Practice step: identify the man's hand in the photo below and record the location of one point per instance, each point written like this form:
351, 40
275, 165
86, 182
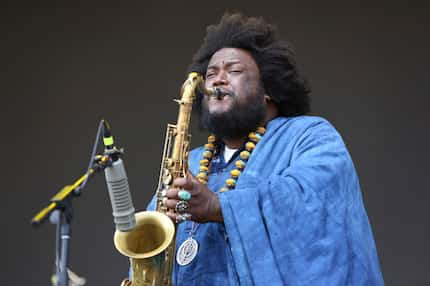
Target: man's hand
204, 204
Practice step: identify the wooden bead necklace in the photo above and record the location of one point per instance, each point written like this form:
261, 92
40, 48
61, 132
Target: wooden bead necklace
209, 151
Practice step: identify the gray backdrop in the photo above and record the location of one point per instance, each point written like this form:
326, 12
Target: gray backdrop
64, 68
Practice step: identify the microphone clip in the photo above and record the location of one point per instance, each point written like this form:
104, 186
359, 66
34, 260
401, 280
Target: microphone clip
114, 153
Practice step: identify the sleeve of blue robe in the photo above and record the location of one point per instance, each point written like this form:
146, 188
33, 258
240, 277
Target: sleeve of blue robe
296, 216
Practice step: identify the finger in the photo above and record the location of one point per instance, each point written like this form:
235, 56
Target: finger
178, 218
182, 217
171, 215
193, 180
172, 193
171, 204
184, 182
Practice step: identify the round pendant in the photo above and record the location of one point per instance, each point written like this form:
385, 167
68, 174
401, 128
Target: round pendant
187, 251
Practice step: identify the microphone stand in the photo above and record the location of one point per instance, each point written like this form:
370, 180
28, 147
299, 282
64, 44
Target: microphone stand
59, 212
62, 220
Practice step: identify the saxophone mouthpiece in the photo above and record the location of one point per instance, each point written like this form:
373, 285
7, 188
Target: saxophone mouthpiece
216, 93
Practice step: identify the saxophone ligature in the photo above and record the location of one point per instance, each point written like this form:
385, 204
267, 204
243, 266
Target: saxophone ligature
151, 244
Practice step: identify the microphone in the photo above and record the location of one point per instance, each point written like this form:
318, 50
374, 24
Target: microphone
117, 183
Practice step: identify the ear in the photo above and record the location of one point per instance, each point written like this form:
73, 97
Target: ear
267, 99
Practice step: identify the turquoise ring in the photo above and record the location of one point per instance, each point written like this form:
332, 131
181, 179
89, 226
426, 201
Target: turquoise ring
184, 195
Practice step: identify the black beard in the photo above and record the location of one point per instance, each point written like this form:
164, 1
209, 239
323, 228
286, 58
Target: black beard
237, 123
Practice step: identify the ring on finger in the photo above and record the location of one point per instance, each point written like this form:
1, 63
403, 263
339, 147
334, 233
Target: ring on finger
182, 217
184, 195
182, 207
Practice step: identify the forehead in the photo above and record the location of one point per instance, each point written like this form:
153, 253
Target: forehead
227, 56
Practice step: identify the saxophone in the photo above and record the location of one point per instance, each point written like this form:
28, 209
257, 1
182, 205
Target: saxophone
151, 244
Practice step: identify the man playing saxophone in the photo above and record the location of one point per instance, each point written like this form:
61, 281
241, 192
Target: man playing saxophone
273, 197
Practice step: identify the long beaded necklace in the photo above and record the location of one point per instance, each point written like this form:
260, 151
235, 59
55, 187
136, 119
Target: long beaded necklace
187, 251
208, 153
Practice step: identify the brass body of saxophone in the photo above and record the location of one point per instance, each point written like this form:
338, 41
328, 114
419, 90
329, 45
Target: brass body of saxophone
151, 244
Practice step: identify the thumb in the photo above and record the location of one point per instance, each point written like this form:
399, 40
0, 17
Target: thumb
190, 178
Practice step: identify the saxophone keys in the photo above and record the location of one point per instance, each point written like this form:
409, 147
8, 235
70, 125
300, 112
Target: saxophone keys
163, 193
168, 163
166, 177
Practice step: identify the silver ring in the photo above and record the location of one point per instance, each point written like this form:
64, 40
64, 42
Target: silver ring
182, 207
182, 217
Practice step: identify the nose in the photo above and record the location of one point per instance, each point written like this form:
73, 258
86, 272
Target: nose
220, 79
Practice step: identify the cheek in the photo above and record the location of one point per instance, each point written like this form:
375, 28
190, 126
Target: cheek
246, 82
251, 89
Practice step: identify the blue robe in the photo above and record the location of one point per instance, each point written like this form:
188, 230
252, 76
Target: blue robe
296, 216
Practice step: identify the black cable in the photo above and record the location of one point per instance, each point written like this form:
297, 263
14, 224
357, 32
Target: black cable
93, 154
